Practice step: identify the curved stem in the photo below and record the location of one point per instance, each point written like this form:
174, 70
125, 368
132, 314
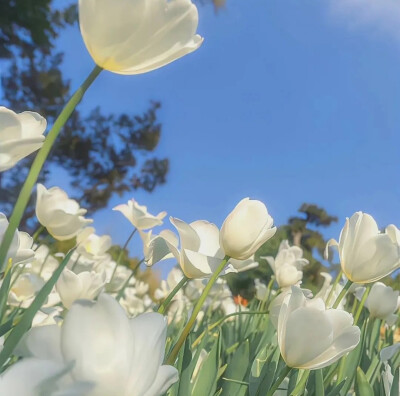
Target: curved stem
122, 252
342, 294
282, 375
121, 292
335, 283
362, 302
174, 353
219, 322
38, 163
171, 295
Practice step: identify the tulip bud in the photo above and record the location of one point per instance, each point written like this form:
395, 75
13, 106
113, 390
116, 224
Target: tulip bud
137, 36
311, 337
366, 254
245, 229
62, 216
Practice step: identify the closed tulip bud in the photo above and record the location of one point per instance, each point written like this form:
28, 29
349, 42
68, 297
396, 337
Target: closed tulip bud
139, 216
137, 36
62, 216
382, 301
20, 135
245, 229
311, 337
366, 254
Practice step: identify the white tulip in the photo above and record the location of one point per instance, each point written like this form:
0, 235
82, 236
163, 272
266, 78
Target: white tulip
62, 216
311, 337
244, 265
120, 356
137, 36
92, 246
20, 251
200, 253
388, 352
33, 377
287, 265
245, 229
261, 290
139, 216
85, 285
20, 135
366, 254
44, 264
155, 248
24, 290
382, 301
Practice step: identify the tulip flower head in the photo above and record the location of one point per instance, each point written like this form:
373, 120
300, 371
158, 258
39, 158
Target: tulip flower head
20, 135
382, 302
116, 355
287, 265
20, 251
139, 216
311, 337
137, 36
366, 254
62, 216
245, 229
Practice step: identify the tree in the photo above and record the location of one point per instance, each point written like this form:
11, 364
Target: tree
98, 166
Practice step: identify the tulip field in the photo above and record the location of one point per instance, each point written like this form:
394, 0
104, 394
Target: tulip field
82, 322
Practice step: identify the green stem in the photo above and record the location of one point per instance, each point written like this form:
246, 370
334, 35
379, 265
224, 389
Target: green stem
335, 283
35, 236
122, 252
282, 375
342, 294
38, 163
301, 385
171, 295
175, 350
121, 292
362, 302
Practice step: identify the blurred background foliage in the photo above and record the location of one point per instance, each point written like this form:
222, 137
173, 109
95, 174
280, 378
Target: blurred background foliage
98, 166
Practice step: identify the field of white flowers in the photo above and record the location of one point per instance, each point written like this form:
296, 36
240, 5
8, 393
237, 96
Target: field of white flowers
83, 323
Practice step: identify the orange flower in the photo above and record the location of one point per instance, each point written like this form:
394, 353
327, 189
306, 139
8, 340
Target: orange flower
239, 300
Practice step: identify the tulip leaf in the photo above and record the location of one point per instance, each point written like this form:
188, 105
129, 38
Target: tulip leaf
236, 372
5, 286
26, 320
395, 391
363, 388
206, 381
319, 383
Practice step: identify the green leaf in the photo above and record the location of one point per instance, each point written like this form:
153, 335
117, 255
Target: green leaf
395, 391
4, 289
206, 381
319, 383
237, 370
363, 388
26, 320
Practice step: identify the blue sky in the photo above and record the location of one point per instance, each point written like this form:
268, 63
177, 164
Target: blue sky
286, 101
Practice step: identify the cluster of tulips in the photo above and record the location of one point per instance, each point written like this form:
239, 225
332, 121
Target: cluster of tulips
83, 324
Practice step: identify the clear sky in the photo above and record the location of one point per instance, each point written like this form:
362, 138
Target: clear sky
287, 101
